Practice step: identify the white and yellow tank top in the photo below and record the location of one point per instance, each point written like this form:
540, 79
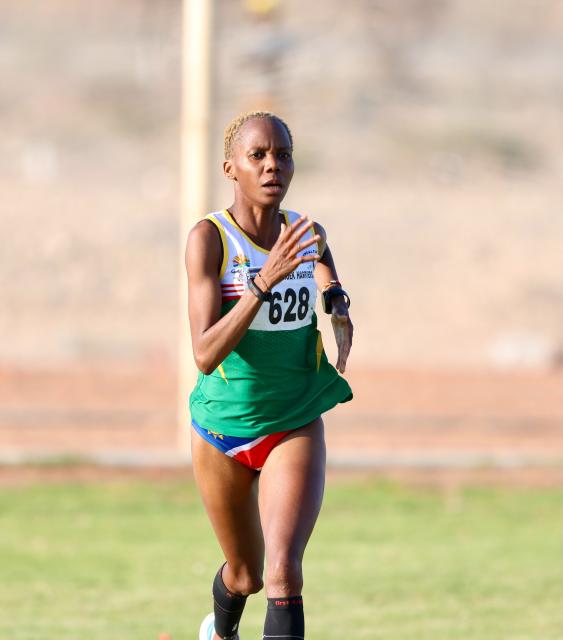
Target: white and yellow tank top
294, 298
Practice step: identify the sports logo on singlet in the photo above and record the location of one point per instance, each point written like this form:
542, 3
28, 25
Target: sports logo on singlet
240, 261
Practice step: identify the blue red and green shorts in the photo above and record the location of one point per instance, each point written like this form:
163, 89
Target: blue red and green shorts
252, 452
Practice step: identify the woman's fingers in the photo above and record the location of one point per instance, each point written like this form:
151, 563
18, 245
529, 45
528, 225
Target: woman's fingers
291, 234
284, 256
297, 230
309, 242
298, 222
312, 257
304, 258
299, 246
301, 231
343, 352
339, 333
343, 330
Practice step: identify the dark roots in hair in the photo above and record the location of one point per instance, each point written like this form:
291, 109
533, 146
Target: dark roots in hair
232, 131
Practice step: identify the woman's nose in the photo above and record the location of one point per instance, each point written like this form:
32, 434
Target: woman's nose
271, 162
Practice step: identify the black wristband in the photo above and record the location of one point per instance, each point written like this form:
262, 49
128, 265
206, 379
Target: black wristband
264, 296
330, 293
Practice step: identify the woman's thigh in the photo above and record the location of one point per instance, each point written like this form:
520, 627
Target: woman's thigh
291, 493
229, 493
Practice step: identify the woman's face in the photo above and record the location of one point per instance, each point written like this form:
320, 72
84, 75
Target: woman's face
262, 162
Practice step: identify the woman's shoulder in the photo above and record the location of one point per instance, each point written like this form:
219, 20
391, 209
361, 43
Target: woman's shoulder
204, 229
204, 239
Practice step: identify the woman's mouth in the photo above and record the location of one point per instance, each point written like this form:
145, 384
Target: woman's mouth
273, 186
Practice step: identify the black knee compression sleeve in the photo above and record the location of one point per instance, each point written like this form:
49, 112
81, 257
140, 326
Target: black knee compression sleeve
228, 608
284, 620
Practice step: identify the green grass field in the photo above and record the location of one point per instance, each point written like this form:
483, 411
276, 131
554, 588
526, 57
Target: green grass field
131, 560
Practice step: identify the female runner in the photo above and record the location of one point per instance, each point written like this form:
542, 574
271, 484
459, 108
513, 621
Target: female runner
257, 439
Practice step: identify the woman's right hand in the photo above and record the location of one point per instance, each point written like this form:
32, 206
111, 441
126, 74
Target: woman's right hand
283, 258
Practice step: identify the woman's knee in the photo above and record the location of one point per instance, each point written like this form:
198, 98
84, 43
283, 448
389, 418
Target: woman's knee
242, 579
284, 576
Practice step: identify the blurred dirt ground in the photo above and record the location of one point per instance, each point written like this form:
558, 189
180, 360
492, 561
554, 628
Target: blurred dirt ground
421, 426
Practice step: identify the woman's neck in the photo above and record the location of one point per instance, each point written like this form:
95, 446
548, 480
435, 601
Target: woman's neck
261, 224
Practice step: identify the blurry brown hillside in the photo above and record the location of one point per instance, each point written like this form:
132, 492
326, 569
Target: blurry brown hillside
428, 142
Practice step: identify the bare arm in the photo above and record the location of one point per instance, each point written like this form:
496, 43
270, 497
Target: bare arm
213, 337
325, 271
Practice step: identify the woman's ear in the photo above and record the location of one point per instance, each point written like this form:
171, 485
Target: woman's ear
228, 170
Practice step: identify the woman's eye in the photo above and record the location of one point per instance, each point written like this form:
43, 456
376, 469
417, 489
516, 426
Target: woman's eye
258, 155
284, 155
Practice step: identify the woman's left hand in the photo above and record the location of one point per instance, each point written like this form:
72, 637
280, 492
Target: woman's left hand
343, 331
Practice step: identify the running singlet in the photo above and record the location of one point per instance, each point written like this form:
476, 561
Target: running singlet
278, 377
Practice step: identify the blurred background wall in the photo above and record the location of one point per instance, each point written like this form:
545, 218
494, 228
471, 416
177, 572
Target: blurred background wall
428, 143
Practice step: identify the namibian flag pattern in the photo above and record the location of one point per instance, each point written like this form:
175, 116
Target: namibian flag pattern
252, 452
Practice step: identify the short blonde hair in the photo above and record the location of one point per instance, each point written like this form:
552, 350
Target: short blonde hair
232, 131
